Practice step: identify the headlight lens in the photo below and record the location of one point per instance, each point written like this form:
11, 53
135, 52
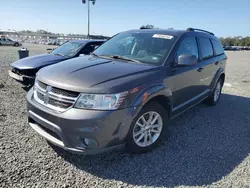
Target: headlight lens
100, 102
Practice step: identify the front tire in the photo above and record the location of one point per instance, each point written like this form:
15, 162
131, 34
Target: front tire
215, 96
147, 128
16, 44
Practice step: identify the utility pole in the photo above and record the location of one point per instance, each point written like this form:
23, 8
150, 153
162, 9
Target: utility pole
88, 16
93, 2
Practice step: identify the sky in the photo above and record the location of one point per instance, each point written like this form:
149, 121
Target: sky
108, 17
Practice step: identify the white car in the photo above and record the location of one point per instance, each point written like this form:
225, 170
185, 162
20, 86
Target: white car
9, 42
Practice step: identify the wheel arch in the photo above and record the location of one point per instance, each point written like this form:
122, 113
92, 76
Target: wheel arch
163, 100
222, 76
157, 93
219, 74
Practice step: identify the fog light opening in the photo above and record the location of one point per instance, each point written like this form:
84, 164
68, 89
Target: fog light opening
88, 143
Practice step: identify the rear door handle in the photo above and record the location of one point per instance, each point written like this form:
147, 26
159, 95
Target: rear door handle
200, 69
216, 63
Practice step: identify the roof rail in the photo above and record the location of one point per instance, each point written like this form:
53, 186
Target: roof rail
195, 29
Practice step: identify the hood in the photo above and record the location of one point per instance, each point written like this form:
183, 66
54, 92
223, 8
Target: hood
37, 61
88, 74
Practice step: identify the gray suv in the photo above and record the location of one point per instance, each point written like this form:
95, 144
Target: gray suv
125, 93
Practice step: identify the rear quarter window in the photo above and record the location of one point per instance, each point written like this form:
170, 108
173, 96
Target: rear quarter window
206, 48
218, 50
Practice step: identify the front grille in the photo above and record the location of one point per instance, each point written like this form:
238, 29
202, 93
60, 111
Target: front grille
54, 98
42, 85
26, 72
40, 96
64, 92
16, 71
59, 104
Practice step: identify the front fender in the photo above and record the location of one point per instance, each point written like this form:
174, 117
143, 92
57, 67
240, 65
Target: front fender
149, 93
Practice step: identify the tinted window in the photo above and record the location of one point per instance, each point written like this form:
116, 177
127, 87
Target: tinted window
68, 49
206, 48
187, 47
149, 48
88, 48
217, 47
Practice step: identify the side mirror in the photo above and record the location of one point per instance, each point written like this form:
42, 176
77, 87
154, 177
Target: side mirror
187, 60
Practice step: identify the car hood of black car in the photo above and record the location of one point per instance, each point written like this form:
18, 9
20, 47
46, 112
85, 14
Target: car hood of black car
85, 74
37, 61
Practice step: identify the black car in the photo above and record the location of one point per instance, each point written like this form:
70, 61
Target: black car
125, 93
24, 70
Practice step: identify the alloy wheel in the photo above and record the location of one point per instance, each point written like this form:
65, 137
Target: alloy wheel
217, 91
147, 129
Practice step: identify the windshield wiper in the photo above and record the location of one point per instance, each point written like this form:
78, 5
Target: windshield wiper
124, 58
94, 54
60, 54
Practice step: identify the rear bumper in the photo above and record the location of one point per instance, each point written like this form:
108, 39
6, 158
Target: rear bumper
104, 130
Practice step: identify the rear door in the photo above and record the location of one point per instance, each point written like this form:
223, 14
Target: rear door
185, 81
207, 61
219, 55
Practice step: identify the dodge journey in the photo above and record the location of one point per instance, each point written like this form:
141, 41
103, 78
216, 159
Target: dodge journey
127, 90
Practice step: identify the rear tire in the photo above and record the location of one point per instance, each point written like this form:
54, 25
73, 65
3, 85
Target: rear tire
213, 99
147, 128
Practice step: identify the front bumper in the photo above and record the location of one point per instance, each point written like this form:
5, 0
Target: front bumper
23, 79
105, 130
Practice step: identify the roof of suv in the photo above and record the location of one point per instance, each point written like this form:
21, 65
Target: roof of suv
87, 41
162, 31
174, 32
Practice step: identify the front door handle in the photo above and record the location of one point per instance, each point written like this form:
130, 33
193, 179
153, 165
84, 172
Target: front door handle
200, 69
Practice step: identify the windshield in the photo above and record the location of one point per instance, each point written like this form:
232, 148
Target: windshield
69, 49
147, 48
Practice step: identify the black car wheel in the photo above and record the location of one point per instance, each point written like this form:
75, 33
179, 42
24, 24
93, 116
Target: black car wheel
147, 128
16, 44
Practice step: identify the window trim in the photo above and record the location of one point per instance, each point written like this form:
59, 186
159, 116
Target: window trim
199, 51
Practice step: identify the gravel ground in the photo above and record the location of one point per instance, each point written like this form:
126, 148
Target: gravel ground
205, 147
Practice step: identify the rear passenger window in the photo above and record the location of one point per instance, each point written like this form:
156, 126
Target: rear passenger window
187, 47
217, 47
205, 48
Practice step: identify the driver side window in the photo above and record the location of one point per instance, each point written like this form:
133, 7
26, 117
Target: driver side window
88, 48
188, 46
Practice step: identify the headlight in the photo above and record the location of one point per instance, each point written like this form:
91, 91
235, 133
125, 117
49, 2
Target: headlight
100, 102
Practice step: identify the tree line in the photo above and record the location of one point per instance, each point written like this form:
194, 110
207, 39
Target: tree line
235, 41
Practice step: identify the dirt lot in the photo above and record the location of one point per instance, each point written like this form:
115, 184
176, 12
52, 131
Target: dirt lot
206, 146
